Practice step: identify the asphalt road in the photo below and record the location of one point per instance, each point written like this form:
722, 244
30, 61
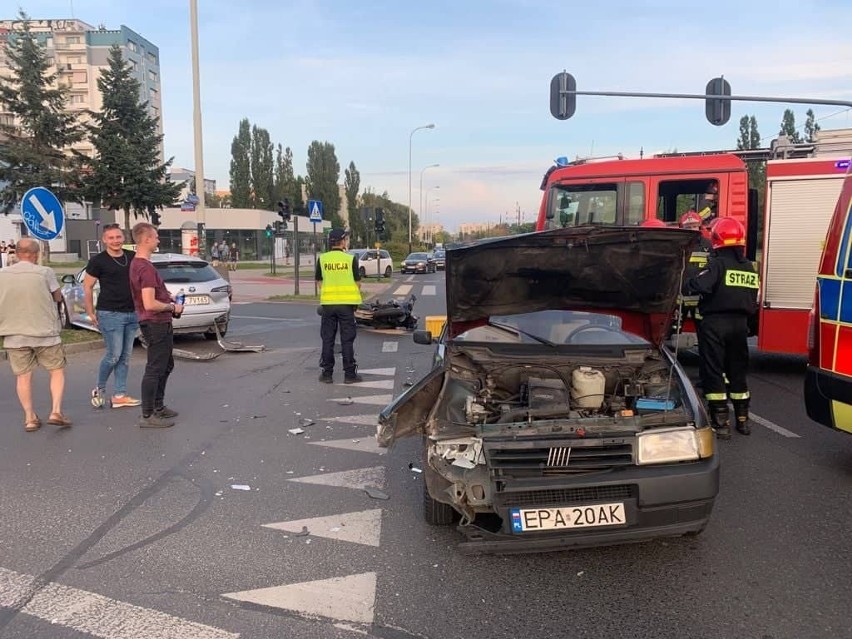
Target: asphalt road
107, 530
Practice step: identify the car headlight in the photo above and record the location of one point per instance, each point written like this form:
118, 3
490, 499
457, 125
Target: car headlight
670, 445
421, 263
465, 452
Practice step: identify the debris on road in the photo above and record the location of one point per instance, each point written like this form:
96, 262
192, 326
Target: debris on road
303, 533
296, 431
375, 493
345, 402
414, 469
240, 487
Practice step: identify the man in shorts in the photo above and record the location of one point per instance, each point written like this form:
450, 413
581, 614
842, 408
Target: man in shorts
30, 325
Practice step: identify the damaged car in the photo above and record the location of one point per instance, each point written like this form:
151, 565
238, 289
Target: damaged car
554, 416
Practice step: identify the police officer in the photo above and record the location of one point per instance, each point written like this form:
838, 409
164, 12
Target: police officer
728, 288
338, 273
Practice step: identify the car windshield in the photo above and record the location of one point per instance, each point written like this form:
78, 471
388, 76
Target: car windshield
440, 254
555, 327
186, 272
416, 256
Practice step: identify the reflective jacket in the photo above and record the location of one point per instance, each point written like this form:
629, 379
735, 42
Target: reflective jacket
338, 279
728, 284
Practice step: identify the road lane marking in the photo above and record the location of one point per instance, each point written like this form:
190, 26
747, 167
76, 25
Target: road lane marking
386, 384
374, 400
351, 598
96, 615
370, 419
378, 371
429, 289
410, 278
357, 479
757, 419
390, 347
363, 445
404, 289
269, 319
363, 527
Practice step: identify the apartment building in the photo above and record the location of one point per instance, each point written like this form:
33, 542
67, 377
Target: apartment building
78, 51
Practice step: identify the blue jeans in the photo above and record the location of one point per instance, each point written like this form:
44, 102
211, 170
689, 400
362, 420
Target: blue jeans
119, 330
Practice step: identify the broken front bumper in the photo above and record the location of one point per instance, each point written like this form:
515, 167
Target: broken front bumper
659, 501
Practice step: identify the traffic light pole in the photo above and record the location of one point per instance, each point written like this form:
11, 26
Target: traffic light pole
272, 253
296, 253
316, 284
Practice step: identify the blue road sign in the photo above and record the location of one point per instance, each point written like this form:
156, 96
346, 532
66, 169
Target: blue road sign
315, 210
42, 213
192, 198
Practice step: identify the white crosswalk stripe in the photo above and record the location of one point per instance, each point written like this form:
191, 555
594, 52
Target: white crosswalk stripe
429, 289
363, 445
357, 479
377, 400
364, 527
390, 372
370, 419
386, 384
390, 347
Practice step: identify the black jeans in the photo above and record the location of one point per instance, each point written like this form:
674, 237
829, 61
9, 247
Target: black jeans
160, 338
332, 316
723, 349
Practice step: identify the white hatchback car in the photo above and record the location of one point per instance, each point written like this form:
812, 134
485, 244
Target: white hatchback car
374, 263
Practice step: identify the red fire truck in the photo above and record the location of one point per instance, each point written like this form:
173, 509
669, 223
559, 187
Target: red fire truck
800, 198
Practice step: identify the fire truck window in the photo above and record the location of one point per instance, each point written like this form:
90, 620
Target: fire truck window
577, 204
676, 197
635, 202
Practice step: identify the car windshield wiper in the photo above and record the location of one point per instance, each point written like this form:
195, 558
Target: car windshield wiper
513, 329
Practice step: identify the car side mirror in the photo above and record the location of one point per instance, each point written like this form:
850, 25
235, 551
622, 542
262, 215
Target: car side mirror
68, 279
423, 337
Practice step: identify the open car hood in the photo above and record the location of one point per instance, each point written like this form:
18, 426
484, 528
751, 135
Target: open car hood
632, 272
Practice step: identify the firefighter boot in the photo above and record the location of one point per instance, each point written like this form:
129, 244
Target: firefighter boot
741, 415
719, 419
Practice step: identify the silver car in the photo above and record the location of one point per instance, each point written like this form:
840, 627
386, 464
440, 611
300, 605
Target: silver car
208, 295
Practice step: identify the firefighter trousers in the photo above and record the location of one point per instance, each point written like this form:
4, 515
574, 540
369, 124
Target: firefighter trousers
723, 351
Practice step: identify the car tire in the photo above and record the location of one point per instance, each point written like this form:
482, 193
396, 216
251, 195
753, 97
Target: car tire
64, 317
363, 272
211, 335
388, 272
436, 513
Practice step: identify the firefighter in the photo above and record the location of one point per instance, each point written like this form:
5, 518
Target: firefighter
338, 274
707, 205
728, 287
688, 305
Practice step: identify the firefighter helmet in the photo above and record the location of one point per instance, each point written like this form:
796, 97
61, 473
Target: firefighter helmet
654, 223
690, 217
727, 232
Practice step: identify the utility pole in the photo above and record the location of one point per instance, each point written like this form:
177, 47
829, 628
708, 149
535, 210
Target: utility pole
196, 120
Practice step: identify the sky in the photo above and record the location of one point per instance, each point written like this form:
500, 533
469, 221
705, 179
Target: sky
363, 75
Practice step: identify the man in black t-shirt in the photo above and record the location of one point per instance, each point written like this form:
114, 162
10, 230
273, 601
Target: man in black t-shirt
115, 316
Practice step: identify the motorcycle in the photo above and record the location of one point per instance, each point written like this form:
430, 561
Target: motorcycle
390, 314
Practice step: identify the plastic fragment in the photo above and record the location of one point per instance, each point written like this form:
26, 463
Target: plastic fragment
375, 493
240, 487
296, 431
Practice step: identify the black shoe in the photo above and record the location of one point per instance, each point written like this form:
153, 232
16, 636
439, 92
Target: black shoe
165, 412
154, 421
743, 428
723, 432
326, 378
353, 379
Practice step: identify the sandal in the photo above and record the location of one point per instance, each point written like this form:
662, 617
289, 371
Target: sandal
58, 419
32, 424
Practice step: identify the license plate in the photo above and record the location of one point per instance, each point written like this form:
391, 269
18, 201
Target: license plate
197, 300
532, 519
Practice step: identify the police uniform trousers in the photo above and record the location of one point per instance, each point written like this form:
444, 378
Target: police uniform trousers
723, 349
334, 316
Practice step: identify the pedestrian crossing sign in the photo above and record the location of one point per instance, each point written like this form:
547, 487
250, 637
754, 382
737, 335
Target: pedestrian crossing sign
315, 210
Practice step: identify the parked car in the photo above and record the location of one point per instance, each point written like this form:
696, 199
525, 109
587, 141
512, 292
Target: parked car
419, 263
208, 295
368, 264
440, 256
554, 416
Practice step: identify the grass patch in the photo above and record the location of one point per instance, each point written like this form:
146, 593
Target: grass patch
293, 298
66, 265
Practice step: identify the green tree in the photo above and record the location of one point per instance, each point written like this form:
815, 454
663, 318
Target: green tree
323, 174
262, 169
36, 145
125, 173
788, 126
241, 196
351, 185
396, 216
285, 180
811, 127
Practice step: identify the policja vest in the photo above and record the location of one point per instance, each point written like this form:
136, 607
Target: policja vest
736, 288
338, 280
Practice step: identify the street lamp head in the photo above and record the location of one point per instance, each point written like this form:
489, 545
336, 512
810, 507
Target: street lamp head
430, 126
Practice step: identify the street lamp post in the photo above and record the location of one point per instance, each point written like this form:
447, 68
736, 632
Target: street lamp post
410, 136
427, 225
196, 118
431, 166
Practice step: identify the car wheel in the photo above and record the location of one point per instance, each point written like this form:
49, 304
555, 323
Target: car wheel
388, 271
363, 272
436, 513
64, 318
211, 334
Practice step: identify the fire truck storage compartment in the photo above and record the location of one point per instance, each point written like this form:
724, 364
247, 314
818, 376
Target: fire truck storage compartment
798, 211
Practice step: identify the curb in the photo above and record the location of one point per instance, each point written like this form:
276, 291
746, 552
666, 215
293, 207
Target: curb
72, 349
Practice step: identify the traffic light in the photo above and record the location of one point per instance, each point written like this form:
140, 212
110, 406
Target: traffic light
718, 110
268, 231
280, 227
284, 210
562, 104
155, 218
380, 221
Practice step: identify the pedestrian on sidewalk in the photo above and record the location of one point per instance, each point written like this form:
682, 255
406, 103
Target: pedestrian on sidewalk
155, 309
340, 294
30, 325
114, 316
234, 256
